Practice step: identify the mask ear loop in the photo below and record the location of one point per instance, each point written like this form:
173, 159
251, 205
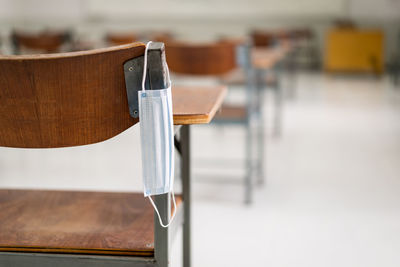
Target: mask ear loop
173, 193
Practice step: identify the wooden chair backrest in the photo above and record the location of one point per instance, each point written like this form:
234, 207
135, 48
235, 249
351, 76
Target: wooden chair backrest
263, 38
164, 37
48, 42
69, 99
121, 38
201, 59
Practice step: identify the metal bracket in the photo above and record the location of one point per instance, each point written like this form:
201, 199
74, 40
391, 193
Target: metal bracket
156, 77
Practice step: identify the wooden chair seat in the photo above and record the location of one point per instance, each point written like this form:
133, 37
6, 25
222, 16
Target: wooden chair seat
76, 222
231, 112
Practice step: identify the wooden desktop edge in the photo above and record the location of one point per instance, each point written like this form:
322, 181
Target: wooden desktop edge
267, 58
187, 119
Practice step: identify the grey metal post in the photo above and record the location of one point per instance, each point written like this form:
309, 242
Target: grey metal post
252, 106
161, 234
278, 103
290, 66
249, 168
260, 132
186, 194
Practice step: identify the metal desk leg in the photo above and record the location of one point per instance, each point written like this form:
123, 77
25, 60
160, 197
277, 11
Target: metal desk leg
249, 166
260, 142
185, 165
278, 106
291, 67
260, 134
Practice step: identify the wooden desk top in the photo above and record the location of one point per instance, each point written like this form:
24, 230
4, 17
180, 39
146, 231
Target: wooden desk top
267, 58
196, 104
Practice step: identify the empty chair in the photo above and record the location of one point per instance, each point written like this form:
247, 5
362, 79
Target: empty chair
263, 38
42, 42
305, 52
80, 98
120, 38
161, 36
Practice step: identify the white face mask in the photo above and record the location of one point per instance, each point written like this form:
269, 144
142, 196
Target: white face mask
157, 140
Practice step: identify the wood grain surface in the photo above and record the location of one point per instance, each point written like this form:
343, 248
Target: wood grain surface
69, 99
76, 222
196, 104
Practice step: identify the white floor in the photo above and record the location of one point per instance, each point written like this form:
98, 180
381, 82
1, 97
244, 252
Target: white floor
332, 192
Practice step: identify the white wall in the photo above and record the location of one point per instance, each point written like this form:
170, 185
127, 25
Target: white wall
375, 9
197, 19
215, 8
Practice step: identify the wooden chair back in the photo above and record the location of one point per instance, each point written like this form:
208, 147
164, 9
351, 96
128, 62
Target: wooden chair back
201, 59
121, 38
164, 37
68, 99
263, 38
47, 42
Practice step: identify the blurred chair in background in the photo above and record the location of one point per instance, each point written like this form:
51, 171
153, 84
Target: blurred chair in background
307, 54
82, 43
42, 42
161, 36
215, 60
264, 38
114, 38
304, 55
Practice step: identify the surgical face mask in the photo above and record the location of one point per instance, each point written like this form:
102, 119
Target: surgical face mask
157, 140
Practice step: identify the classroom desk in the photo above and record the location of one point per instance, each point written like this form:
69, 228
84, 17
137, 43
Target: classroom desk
266, 63
196, 104
267, 58
263, 70
192, 105
43, 219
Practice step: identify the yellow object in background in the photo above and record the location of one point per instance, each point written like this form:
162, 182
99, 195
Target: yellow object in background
354, 50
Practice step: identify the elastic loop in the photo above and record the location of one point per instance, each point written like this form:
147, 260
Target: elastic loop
145, 66
168, 78
158, 214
